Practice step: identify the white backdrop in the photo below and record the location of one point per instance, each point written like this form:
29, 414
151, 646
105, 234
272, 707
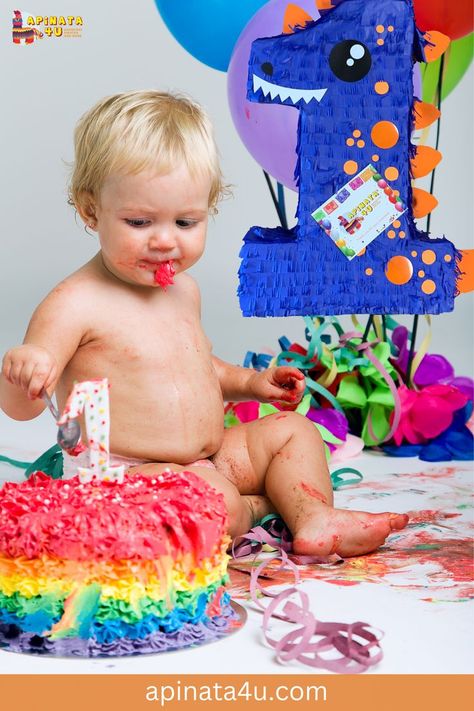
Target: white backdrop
125, 45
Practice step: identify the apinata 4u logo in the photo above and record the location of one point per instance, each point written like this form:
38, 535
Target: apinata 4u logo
27, 27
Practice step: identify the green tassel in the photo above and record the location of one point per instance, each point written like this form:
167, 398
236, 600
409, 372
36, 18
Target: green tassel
51, 463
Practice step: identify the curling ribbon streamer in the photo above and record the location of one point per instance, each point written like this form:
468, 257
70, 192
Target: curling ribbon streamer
365, 346
422, 351
92, 398
357, 646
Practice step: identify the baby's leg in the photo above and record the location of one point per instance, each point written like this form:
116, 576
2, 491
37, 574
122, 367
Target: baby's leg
244, 511
282, 456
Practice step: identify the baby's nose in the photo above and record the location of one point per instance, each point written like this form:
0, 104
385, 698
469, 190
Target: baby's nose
161, 239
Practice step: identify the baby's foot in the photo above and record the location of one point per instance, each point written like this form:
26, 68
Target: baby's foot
347, 533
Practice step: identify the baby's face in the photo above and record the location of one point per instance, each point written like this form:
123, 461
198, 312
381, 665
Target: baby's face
146, 219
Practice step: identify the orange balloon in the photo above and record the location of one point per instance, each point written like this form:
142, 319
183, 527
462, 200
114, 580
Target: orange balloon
399, 270
384, 134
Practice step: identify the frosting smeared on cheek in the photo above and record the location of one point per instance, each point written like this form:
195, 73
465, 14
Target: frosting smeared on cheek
165, 273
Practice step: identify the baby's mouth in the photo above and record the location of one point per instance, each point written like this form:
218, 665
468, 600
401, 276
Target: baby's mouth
164, 274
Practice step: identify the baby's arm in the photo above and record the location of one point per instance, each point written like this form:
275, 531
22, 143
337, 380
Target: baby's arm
53, 336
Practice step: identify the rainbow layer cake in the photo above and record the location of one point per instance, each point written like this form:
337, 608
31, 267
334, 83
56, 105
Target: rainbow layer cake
107, 568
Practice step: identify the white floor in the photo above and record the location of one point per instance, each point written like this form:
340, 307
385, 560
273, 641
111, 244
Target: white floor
419, 604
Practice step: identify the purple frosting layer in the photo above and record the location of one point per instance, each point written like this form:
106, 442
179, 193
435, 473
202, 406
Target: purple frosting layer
13, 640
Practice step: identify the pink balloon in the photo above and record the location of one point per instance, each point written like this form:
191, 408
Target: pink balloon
269, 131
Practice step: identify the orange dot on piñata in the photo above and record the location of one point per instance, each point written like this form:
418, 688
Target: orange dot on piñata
362, 251
356, 133
391, 173
380, 28
369, 271
447, 257
375, 157
414, 253
381, 87
350, 142
421, 273
396, 224
350, 167
391, 234
399, 270
390, 28
428, 286
380, 42
360, 143
401, 234
384, 134
428, 256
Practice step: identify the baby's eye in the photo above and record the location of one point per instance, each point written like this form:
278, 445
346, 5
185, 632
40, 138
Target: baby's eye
138, 223
186, 224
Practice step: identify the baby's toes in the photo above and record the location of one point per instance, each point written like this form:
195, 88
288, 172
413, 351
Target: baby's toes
397, 521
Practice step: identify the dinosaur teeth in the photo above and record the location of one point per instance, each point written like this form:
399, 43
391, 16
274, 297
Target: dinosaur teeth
285, 92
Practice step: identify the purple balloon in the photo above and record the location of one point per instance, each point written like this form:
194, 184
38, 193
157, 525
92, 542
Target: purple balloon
269, 131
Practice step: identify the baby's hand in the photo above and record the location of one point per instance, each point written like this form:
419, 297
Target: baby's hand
31, 368
283, 384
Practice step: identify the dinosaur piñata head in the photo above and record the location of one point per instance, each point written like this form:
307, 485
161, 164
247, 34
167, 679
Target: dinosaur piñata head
350, 77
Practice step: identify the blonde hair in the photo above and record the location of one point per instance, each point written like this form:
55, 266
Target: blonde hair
140, 130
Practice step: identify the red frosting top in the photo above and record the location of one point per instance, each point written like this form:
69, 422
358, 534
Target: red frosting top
142, 518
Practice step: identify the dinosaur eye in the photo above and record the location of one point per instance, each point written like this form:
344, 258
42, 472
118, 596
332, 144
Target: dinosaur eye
350, 60
267, 68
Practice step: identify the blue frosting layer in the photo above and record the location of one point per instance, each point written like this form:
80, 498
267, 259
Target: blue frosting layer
110, 630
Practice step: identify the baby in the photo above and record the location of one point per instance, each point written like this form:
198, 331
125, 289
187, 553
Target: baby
145, 179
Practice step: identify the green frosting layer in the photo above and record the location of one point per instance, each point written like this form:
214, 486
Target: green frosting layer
52, 604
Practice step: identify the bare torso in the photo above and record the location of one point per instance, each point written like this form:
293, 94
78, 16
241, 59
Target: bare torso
165, 399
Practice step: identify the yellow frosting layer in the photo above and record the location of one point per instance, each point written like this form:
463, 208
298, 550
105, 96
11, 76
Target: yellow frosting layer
121, 580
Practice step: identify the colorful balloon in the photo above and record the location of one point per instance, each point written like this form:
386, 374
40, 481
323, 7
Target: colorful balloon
269, 131
208, 29
454, 19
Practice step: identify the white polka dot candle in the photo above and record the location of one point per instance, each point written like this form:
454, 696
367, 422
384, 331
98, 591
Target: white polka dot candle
91, 397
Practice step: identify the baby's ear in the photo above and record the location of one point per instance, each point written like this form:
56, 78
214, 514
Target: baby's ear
86, 206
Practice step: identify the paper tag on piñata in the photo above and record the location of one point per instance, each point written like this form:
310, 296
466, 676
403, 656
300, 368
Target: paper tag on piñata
360, 210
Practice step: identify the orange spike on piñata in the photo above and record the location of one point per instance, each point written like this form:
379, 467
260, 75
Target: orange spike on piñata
425, 114
425, 160
324, 5
423, 203
465, 281
438, 44
295, 16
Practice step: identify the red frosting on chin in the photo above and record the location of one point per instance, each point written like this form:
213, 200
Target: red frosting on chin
164, 275
142, 518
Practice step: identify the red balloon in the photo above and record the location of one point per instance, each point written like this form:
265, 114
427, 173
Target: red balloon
451, 17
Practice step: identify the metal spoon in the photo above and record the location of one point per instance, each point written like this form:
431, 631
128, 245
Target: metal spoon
69, 434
